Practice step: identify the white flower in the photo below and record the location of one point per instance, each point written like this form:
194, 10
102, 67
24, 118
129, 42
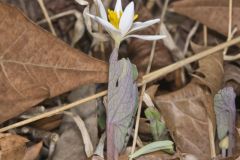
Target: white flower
120, 24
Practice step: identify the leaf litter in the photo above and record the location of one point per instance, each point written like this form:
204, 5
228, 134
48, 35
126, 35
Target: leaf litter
36, 66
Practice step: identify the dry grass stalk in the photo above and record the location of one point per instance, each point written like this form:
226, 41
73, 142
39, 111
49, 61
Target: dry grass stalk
205, 35
60, 15
230, 34
189, 37
211, 138
41, 3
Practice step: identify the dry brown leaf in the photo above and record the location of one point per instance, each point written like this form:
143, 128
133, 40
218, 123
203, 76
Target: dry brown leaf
139, 50
12, 147
213, 13
33, 151
36, 65
186, 111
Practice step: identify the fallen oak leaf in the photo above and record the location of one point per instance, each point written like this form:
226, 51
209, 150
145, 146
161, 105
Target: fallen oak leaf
213, 13
185, 116
36, 65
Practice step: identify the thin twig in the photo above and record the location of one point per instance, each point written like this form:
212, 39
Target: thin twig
41, 3
189, 37
59, 15
177, 54
146, 78
230, 35
234, 31
211, 138
205, 35
100, 29
232, 58
147, 71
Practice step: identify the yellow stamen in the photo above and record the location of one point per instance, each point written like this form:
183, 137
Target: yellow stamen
114, 19
135, 17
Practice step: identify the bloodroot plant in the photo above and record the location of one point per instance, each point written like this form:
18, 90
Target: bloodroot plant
122, 88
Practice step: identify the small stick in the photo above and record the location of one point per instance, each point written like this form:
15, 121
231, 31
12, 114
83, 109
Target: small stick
205, 35
47, 16
189, 37
211, 138
146, 78
230, 35
59, 15
144, 85
232, 58
100, 29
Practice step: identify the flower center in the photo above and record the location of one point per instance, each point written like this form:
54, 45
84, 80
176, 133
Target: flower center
114, 19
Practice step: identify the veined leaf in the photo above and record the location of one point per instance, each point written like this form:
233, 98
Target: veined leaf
122, 101
152, 147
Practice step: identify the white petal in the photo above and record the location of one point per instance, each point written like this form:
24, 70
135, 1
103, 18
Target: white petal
101, 9
108, 26
118, 7
141, 25
146, 37
127, 19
